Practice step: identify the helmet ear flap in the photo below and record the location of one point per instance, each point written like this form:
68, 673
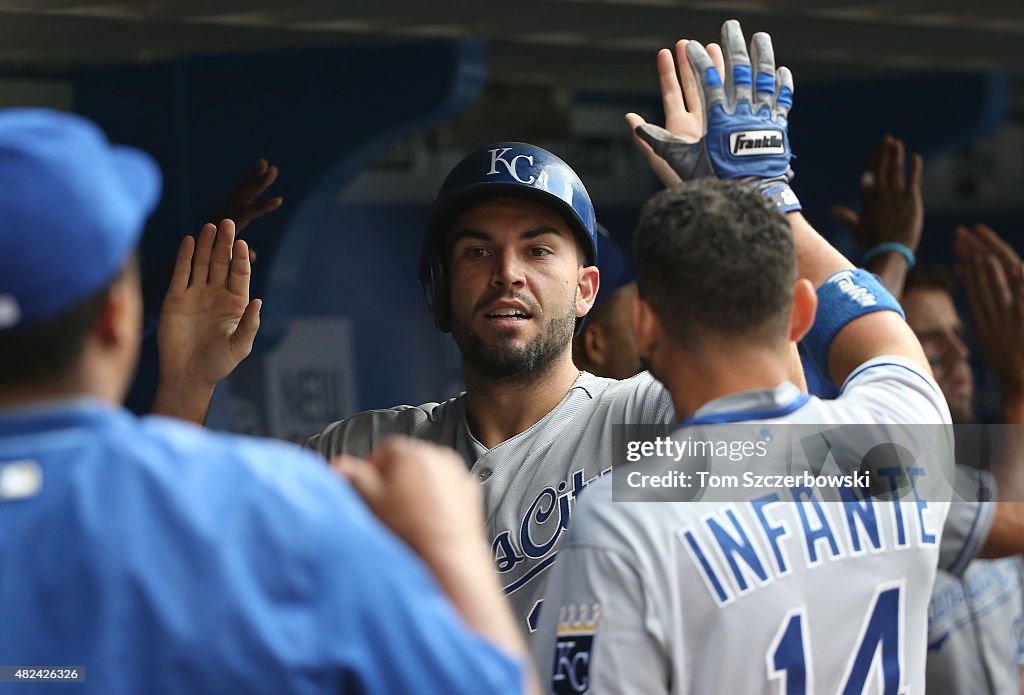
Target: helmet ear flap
435, 286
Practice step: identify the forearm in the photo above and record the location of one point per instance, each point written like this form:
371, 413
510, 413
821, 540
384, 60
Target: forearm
816, 258
1012, 406
891, 268
872, 334
1006, 537
183, 401
468, 578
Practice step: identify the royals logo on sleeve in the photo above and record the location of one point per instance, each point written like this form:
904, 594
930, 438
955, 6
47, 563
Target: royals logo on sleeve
577, 627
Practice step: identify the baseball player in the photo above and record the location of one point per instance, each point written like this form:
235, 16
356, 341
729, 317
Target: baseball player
775, 591
977, 608
150, 556
509, 270
605, 345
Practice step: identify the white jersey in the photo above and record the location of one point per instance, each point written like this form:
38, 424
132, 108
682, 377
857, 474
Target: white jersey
531, 481
976, 615
767, 596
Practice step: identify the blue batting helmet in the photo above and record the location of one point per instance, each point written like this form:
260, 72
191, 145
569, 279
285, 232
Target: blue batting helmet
502, 169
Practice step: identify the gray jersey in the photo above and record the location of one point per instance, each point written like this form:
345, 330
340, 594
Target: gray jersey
530, 481
976, 615
743, 597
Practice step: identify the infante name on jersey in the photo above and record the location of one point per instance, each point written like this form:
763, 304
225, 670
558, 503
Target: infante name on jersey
728, 545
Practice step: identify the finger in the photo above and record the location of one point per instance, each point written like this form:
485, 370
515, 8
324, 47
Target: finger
738, 80
253, 183
239, 271
762, 58
885, 164
364, 478
258, 185
691, 90
873, 159
252, 255
783, 92
995, 244
988, 295
345, 464
999, 282
914, 177
899, 163
182, 266
717, 59
712, 93
845, 216
245, 333
668, 82
254, 211
201, 258
661, 168
220, 260
962, 245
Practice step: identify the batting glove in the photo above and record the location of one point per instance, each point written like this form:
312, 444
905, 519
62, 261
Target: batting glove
744, 119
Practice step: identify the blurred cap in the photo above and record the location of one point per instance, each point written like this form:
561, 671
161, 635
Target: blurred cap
72, 210
616, 269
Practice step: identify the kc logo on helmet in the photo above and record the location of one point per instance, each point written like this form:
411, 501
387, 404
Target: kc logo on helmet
498, 156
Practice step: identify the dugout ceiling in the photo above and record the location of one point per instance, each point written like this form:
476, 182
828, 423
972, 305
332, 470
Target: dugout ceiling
588, 44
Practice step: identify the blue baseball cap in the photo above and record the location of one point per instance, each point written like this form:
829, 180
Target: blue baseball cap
616, 269
72, 210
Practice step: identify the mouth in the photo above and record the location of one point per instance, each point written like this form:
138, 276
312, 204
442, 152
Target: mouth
508, 315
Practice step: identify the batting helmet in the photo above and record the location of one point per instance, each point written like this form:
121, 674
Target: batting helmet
503, 169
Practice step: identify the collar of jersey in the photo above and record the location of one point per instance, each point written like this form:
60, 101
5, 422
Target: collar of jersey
763, 404
50, 415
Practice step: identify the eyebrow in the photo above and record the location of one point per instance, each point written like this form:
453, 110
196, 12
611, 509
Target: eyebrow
528, 234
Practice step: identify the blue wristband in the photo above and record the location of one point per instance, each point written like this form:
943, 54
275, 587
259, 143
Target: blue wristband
843, 297
886, 247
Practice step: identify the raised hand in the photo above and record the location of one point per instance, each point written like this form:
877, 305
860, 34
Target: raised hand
681, 100
994, 277
891, 207
208, 324
745, 118
242, 204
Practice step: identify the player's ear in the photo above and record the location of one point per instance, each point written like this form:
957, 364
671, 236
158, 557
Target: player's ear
119, 323
646, 327
805, 304
592, 345
587, 284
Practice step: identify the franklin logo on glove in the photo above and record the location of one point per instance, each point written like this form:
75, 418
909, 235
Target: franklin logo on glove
756, 142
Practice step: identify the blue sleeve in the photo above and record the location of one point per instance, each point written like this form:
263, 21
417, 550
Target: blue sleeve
818, 383
308, 591
382, 617
403, 636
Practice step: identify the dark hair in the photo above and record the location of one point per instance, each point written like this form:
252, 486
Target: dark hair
50, 350
715, 257
929, 276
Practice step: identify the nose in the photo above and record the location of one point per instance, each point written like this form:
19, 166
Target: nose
954, 349
508, 270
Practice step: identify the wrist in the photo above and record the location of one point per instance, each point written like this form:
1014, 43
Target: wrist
183, 399
889, 249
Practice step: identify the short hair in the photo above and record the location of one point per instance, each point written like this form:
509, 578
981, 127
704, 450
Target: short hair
929, 276
50, 350
716, 257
